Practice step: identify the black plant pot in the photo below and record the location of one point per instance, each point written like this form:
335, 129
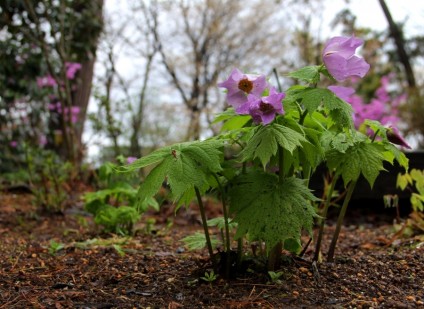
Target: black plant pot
364, 196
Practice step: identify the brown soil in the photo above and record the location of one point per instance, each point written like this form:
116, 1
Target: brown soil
373, 269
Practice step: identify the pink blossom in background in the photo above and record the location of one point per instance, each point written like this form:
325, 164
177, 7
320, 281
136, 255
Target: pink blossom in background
75, 110
13, 144
383, 107
131, 159
46, 81
42, 140
71, 69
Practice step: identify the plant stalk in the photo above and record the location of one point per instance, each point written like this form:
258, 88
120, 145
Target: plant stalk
274, 257
330, 255
205, 225
324, 216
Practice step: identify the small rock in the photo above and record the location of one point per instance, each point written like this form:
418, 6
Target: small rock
304, 270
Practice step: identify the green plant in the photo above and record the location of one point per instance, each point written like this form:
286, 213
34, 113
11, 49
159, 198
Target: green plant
48, 177
55, 247
275, 276
114, 207
209, 276
414, 181
275, 140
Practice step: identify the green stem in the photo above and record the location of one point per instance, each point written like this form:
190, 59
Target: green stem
275, 253
302, 117
274, 70
225, 210
375, 135
280, 164
330, 255
205, 225
324, 216
239, 250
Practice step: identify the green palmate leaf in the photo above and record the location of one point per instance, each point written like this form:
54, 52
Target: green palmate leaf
225, 115
219, 222
403, 181
393, 153
377, 127
363, 157
341, 141
309, 74
197, 241
312, 151
270, 210
232, 120
265, 141
185, 166
155, 157
313, 98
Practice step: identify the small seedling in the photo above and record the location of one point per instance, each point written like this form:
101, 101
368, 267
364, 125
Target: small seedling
209, 276
275, 276
55, 247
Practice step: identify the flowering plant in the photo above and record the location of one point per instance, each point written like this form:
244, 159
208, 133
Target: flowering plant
279, 138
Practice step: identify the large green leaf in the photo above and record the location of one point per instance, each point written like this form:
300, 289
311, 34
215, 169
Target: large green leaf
184, 166
265, 141
309, 74
270, 210
363, 157
313, 98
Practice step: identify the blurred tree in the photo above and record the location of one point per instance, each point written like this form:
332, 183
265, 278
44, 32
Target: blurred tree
47, 60
415, 108
200, 40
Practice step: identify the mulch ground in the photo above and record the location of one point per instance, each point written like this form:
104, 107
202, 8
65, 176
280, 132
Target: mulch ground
153, 269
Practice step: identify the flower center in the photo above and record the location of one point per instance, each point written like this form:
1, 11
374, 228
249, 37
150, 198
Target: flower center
266, 108
245, 85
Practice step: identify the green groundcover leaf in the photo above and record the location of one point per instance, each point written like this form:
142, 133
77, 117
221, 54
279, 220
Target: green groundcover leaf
271, 211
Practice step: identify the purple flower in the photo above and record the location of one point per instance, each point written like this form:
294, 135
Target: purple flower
263, 109
42, 140
340, 59
46, 81
241, 85
393, 135
13, 144
72, 69
131, 159
343, 93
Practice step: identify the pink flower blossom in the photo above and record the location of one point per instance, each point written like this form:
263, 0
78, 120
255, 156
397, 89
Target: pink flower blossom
46, 81
343, 93
264, 109
340, 59
42, 140
394, 136
241, 85
13, 144
131, 159
71, 69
